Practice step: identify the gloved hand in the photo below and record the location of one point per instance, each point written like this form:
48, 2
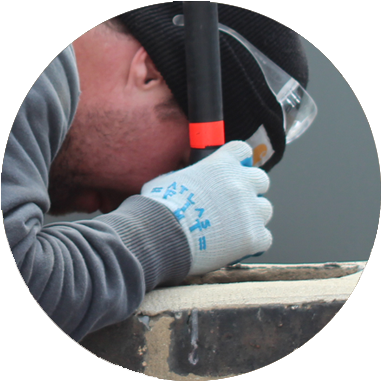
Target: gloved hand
217, 204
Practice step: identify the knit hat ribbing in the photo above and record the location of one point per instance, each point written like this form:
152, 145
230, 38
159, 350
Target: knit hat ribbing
247, 101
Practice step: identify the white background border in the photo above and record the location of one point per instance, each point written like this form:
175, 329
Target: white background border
32, 34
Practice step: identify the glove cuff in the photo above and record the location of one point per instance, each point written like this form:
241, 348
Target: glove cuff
150, 231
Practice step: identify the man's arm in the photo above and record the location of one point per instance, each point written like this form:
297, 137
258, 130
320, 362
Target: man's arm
82, 274
89, 274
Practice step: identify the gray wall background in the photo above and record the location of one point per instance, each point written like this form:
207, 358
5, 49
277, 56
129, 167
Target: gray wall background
326, 190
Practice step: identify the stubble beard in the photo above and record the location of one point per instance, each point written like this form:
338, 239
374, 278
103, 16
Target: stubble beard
63, 187
68, 177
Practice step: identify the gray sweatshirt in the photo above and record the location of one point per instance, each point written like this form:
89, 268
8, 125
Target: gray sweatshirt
84, 274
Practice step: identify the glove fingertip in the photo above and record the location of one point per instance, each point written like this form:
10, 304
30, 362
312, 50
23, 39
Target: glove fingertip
262, 181
248, 162
240, 150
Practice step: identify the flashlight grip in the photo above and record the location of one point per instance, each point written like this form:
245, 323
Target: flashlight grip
205, 110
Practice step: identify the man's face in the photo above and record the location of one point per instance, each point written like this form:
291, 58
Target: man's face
127, 129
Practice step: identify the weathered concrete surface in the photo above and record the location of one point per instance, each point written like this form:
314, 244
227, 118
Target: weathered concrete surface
212, 331
267, 272
248, 294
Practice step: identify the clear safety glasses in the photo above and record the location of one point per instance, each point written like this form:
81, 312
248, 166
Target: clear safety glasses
298, 108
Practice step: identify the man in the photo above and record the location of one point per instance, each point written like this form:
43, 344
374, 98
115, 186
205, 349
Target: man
101, 124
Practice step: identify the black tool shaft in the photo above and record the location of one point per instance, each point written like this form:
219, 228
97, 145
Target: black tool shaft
203, 66
203, 61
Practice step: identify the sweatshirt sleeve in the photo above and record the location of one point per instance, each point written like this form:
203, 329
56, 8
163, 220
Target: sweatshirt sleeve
84, 274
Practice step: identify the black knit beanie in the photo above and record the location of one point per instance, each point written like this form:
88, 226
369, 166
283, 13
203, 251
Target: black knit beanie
247, 101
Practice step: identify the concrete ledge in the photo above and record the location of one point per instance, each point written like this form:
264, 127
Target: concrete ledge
273, 272
211, 331
241, 294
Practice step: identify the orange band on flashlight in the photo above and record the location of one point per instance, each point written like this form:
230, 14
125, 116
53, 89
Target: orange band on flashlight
207, 134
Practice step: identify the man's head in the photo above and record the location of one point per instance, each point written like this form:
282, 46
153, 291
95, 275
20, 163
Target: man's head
127, 129
248, 102
131, 121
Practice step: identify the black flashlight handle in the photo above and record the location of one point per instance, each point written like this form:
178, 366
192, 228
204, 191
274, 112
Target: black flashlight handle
202, 48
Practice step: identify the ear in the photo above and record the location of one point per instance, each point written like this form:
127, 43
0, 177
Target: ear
143, 71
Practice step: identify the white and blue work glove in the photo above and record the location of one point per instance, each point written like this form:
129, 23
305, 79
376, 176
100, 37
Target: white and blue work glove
219, 205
